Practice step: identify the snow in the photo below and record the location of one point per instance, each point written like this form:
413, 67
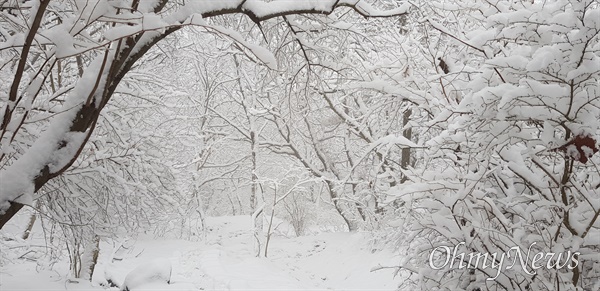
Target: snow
92, 9
265, 9
60, 37
155, 272
121, 31
148, 22
262, 8
223, 259
147, 5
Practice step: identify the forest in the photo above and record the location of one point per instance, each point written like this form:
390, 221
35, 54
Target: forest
299, 145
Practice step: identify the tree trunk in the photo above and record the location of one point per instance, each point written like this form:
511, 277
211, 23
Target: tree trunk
29, 226
343, 210
407, 133
254, 177
10, 212
94, 251
270, 223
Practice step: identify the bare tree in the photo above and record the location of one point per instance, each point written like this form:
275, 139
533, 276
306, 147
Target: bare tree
108, 40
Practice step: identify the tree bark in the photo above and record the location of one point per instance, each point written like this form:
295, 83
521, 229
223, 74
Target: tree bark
94, 260
407, 133
344, 212
30, 225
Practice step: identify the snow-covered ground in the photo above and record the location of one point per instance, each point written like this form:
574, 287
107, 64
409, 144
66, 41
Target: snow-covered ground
222, 258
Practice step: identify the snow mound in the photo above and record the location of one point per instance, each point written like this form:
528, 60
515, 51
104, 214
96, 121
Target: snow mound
157, 271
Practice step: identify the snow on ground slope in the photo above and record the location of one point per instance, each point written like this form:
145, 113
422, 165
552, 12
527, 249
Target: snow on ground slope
225, 260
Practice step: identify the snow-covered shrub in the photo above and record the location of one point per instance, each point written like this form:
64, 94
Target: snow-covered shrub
517, 168
296, 208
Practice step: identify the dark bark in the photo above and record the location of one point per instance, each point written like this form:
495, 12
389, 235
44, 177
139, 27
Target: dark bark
30, 225
12, 96
344, 212
10, 212
407, 133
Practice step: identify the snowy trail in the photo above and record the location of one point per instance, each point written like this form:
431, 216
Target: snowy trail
249, 274
225, 259
227, 262
329, 261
